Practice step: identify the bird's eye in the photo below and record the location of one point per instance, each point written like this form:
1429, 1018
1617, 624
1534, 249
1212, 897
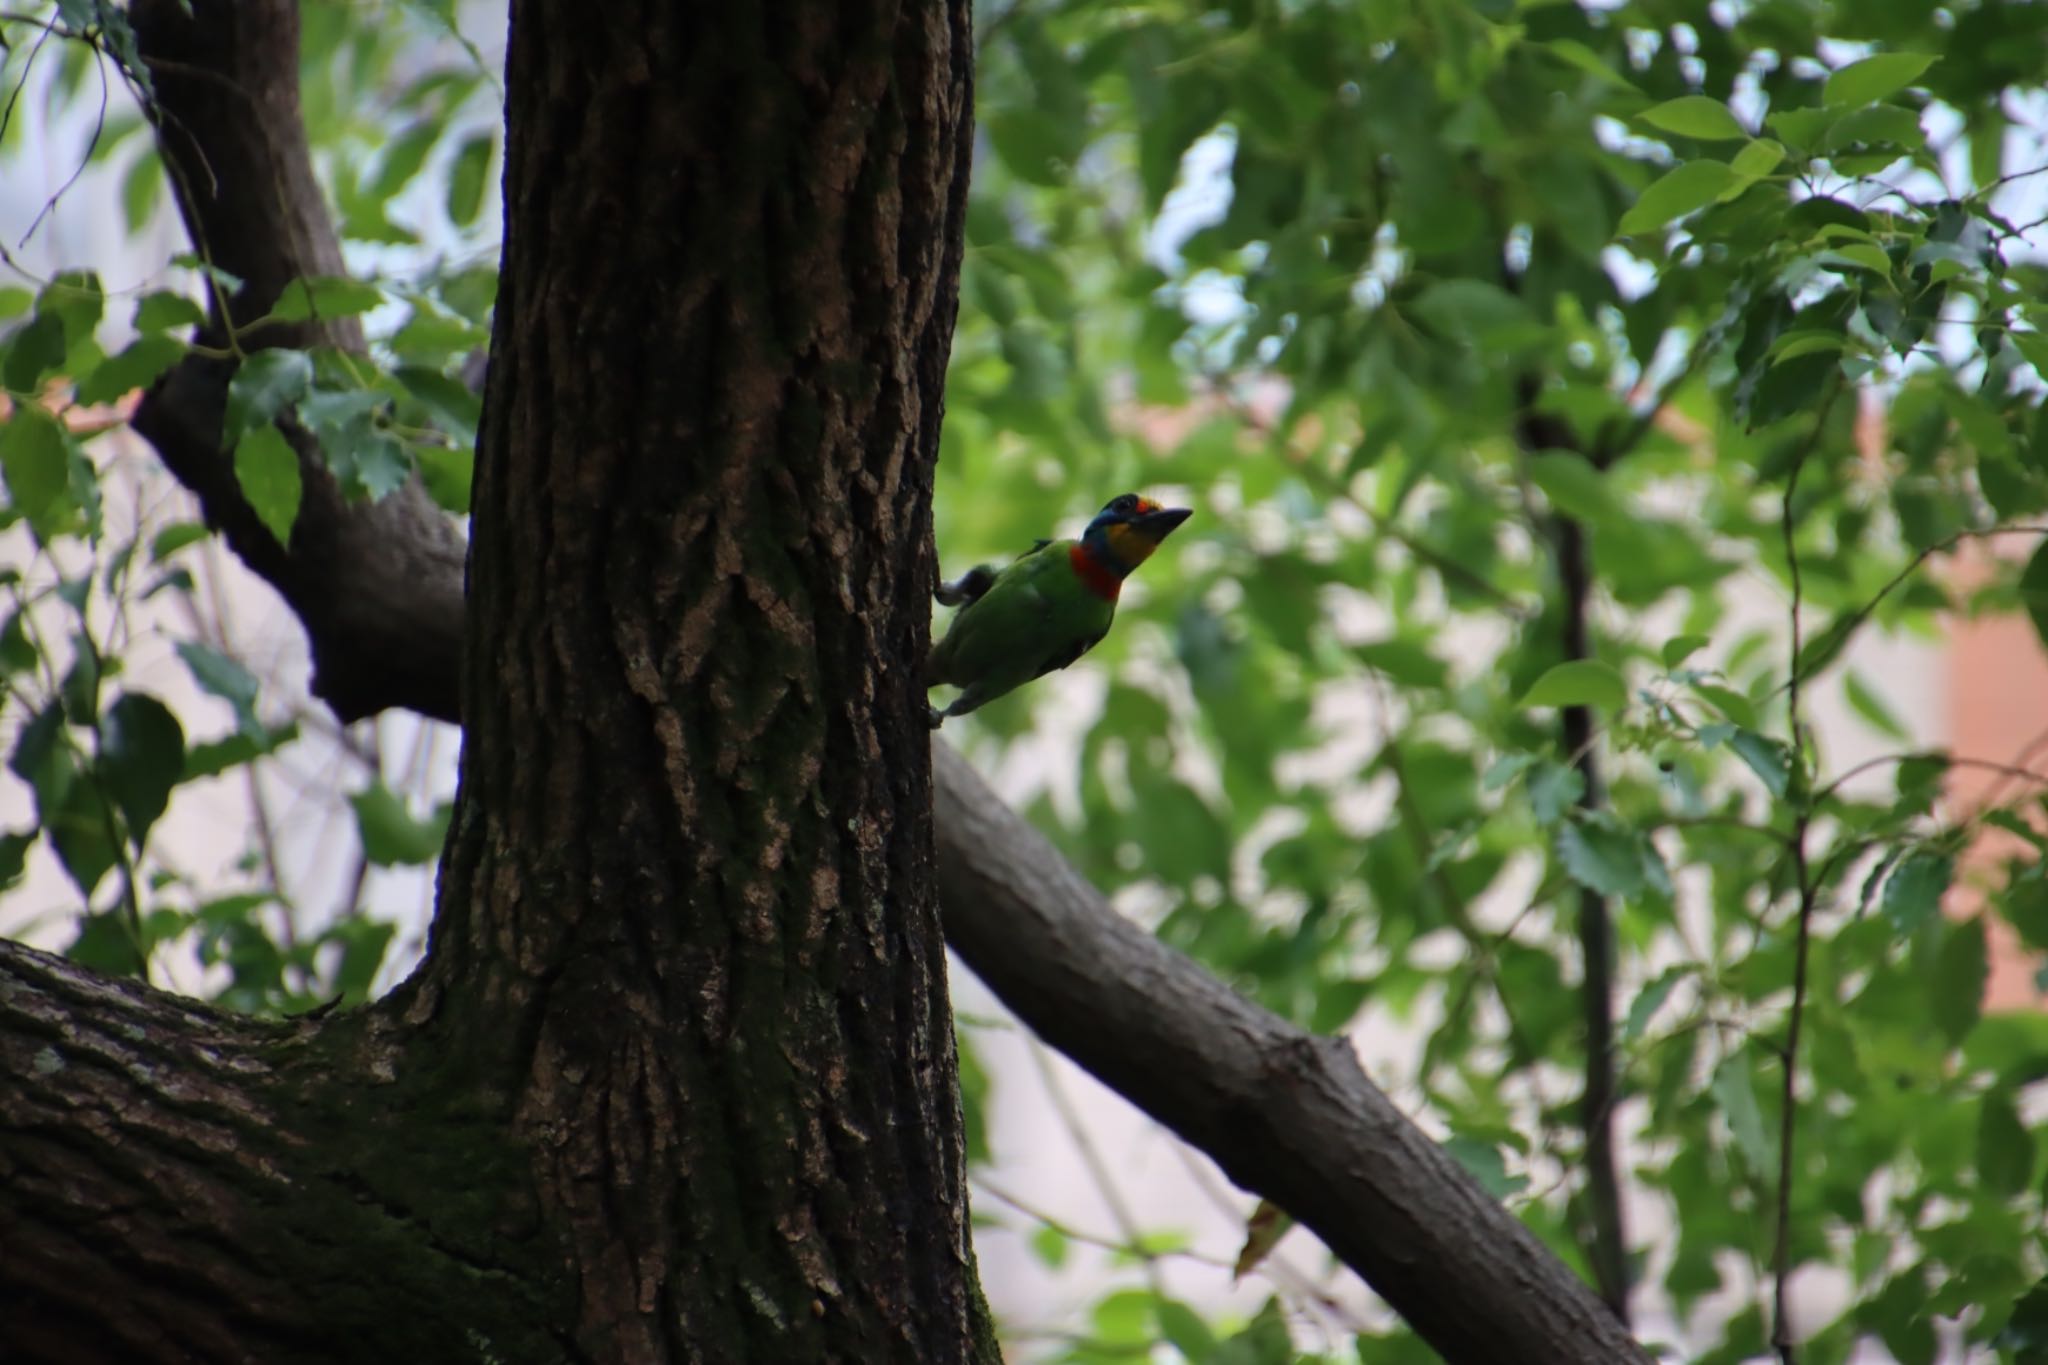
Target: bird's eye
1124, 503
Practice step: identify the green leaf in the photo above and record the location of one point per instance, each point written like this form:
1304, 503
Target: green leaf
447, 473
1049, 1244
1406, 661
2026, 1331
36, 460
1651, 999
381, 465
33, 351
1758, 159
1730, 703
80, 830
391, 837
225, 280
17, 653
1483, 1160
1864, 254
105, 943
466, 179
163, 310
217, 756
325, 297
1866, 702
1469, 309
1575, 488
402, 159
1124, 1317
220, 676
268, 470
1601, 858
1588, 62
1695, 116
1805, 341
142, 189
1871, 79
134, 368
142, 756
1683, 190
1034, 144
1913, 894
1579, 682
174, 538
1679, 648
453, 407
2005, 1149
14, 847
1734, 1090
2033, 590
1184, 1328
1957, 990
265, 384
1264, 1341
364, 941
75, 298
1553, 788
1766, 757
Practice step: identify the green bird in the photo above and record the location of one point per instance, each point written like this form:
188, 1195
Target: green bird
1046, 609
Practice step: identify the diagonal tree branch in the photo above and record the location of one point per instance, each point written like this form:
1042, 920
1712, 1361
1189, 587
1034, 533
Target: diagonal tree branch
1289, 1116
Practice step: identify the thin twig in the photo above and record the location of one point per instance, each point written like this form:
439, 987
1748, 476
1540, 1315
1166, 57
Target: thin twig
2008, 772
1853, 622
2019, 767
99, 127
1274, 1267
1330, 486
1067, 1230
1781, 1252
1098, 1169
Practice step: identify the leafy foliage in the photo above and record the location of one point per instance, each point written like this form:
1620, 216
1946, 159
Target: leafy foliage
1567, 393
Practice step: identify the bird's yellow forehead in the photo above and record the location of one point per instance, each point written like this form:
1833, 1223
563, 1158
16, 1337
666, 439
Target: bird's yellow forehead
1146, 506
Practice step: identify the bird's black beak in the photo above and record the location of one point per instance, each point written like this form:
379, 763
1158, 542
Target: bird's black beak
1162, 523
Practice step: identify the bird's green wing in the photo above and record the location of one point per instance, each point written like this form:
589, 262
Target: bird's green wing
1036, 617
1055, 662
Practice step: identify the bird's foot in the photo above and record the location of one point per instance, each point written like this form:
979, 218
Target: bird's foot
934, 715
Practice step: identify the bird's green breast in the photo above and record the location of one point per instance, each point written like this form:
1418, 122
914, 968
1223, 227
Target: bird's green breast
1038, 615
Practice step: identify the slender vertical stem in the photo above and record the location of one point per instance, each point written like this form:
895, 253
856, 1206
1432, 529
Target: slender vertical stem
1608, 1251
1798, 789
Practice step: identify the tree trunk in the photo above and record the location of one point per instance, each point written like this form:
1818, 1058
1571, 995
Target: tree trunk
677, 1079
687, 909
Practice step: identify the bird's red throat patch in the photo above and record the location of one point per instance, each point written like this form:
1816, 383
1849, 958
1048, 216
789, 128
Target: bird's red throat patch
1099, 577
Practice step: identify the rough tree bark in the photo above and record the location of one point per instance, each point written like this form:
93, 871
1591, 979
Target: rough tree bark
240, 1188
676, 1080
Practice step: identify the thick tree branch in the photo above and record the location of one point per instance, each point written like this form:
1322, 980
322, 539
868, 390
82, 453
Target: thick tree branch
1286, 1115
174, 1173
229, 126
